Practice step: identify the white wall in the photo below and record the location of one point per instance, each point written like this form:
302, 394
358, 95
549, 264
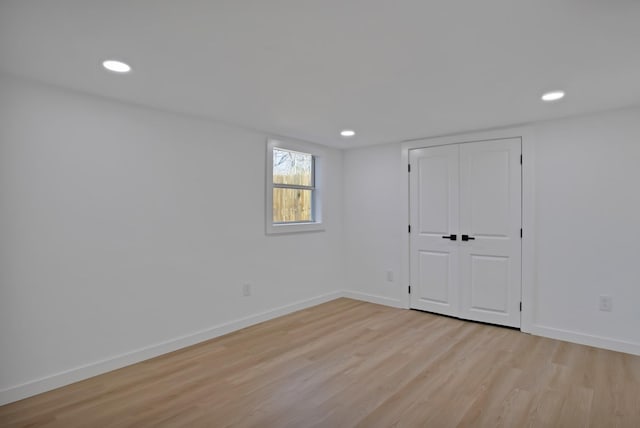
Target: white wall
123, 227
587, 204
373, 222
588, 224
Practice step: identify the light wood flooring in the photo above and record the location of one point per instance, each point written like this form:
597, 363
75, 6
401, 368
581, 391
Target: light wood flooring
347, 363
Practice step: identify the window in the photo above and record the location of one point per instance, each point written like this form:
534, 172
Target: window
293, 187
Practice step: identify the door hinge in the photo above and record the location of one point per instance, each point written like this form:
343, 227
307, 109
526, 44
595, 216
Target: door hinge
520, 306
408, 167
520, 159
520, 232
409, 228
409, 289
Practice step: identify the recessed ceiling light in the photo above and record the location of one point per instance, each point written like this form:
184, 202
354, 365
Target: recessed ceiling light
347, 132
116, 66
553, 96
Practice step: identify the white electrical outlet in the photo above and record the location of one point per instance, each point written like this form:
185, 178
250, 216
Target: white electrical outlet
246, 289
605, 303
390, 275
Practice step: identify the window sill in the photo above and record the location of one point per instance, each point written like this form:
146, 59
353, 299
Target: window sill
275, 229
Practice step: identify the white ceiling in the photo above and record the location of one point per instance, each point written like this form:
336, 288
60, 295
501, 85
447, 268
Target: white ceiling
390, 69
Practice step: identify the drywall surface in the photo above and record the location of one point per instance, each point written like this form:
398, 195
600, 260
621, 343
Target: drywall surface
371, 211
124, 227
587, 206
588, 224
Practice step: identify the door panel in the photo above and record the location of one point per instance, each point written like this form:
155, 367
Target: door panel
489, 283
434, 214
433, 276
490, 212
434, 207
489, 192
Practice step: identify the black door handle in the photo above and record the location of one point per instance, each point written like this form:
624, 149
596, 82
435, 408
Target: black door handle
452, 237
467, 238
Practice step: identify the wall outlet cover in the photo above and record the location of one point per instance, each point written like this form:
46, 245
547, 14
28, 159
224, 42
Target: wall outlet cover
606, 304
246, 289
390, 275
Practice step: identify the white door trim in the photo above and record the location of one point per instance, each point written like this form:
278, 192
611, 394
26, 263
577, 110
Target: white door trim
528, 209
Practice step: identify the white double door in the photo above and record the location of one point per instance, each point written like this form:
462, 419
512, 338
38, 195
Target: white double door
465, 237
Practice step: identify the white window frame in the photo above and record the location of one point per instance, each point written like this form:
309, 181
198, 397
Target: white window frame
318, 205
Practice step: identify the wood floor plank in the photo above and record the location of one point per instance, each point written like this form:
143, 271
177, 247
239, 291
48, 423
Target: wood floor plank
348, 363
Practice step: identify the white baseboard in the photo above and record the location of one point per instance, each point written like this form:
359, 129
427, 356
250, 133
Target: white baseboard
586, 339
536, 329
67, 377
57, 380
372, 298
